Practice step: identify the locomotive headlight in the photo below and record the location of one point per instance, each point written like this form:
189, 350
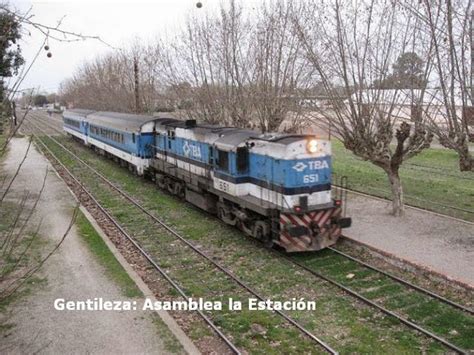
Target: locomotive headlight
312, 146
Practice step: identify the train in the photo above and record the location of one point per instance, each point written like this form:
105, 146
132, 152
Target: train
274, 187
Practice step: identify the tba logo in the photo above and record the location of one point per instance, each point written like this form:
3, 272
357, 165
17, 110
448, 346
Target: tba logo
300, 166
312, 165
191, 150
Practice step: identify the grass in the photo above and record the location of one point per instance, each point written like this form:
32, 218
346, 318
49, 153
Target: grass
349, 326
16, 263
4, 129
171, 344
453, 324
430, 180
100, 250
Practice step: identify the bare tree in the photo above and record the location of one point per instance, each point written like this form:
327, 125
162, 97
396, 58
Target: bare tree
351, 45
281, 71
109, 82
207, 66
17, 234
449, 24
239, 68
104, 84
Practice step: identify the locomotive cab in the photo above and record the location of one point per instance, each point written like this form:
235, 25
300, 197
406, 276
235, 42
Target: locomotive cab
291, 175
309, 217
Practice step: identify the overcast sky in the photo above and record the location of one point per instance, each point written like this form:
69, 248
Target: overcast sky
116, 22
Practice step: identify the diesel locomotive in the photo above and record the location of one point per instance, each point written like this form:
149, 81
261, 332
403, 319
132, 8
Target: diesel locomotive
275, 187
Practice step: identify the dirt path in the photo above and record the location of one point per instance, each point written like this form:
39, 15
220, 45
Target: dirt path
435, 242
74, 274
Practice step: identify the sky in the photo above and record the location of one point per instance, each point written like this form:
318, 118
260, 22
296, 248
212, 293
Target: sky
118, 23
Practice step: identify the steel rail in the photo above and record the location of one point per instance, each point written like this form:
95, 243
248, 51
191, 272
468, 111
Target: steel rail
241, 283
404, 282
375, 305
48, 122
141, 250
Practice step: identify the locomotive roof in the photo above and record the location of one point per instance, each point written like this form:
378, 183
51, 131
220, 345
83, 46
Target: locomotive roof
230, 139
236, 137
282, 138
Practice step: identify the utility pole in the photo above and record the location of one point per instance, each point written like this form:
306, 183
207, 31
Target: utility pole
15, 120
137, 93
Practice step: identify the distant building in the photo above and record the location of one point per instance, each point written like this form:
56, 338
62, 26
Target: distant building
405, 97
408, 102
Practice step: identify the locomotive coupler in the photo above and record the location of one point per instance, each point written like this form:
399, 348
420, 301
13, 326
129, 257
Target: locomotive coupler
314, 227
344, 222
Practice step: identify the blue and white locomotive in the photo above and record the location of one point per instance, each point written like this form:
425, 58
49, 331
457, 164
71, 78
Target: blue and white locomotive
275, 187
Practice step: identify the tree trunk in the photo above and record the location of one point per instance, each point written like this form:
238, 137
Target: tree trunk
466, 160
397, 191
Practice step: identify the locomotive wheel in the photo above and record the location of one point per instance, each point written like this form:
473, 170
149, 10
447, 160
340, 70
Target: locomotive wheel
258, 231
261, 231
161, 181
179, 190
226, 216
220, 213
170, 185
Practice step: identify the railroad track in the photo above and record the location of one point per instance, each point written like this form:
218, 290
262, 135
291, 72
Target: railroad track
367, 300
138, 244
403, 319
404, 282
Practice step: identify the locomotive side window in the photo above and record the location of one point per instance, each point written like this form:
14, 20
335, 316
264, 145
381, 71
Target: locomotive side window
171, 135
223, 160
242, 159
211, 156
133, 137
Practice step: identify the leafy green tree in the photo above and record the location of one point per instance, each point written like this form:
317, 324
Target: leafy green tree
40, 100
407, 73
10, 57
